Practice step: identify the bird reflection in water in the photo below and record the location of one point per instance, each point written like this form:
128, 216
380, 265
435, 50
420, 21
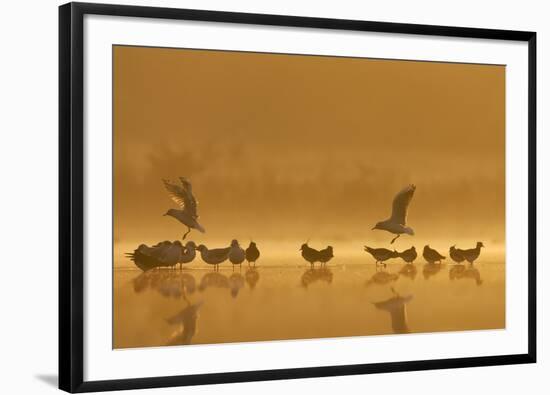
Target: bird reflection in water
310, 276
397, 307
459, 272
217, 280
431, 269
165, 282
236, 282
381, 277
186, 320
252, 276
409, 270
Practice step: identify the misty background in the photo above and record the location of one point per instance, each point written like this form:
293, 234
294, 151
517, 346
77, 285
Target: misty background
284, 148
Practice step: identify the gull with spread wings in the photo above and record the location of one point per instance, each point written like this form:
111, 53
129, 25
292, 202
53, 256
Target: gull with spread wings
397, 223
183, 196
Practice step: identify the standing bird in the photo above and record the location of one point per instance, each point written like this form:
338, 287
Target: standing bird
455, 255
188, 254
170, 255
252, 253
214, 256
236, 253
397, 223
431, 255
183, 196
409, 255
309, 254
472, 254
161, 254
381, 254
325, 255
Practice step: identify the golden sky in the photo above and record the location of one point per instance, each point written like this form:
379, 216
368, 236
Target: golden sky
290, 147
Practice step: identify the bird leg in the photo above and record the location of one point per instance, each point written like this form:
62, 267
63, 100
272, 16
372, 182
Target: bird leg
395, 238
186, 233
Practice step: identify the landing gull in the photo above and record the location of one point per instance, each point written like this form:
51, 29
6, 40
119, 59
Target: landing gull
183, 196
397, 223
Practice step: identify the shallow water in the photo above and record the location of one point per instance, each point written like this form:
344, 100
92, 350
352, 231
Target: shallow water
288, 300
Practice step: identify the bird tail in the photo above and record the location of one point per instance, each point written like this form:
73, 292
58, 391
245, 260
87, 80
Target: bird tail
200, 228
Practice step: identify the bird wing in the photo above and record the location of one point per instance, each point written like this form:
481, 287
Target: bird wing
219, 253
160, 252
401, 204
183, 195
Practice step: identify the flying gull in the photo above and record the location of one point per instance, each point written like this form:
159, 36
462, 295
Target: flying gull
183, 196
397, 223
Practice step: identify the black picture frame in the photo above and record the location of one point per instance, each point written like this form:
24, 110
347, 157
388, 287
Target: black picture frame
71, 198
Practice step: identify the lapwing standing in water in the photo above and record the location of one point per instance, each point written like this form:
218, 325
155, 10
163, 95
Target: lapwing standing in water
455, 255
472, 254
431, 255
408, 255
325, 255
309, 254
397, 223
183, 196
252, 253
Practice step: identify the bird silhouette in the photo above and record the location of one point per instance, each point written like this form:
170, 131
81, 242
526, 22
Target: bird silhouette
189, 253
236, 253
169, 255
163, 254
397, 223
472, 254
182, 195
381, 254
431, 255
309, 254
325, 255
408, 255
455, 255
214, 256
252, 253
143, 257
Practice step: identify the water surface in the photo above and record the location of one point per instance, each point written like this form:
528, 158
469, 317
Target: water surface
289, 300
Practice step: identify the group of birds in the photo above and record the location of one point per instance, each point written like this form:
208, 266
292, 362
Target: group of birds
312, 255
170, 254
432, 256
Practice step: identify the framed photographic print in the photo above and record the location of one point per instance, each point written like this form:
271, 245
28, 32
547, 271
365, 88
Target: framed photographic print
318, 197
